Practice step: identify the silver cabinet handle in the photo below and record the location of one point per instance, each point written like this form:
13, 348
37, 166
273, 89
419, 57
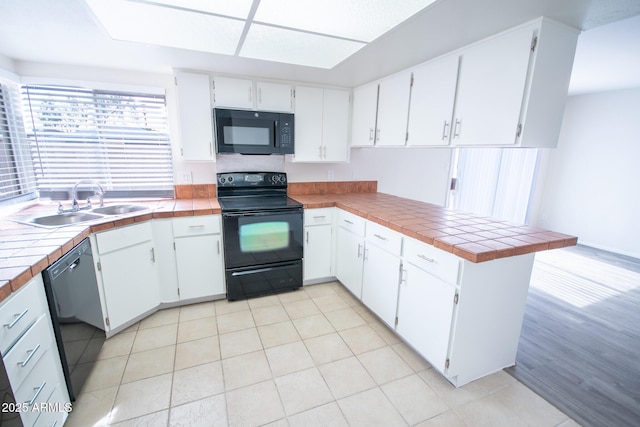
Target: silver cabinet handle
426, 258
380, 237
324, 150
359, 250
456, 128
370, 134
218, 246
403, 275
29, 357
319, 217
366, 254
348, 222
153, 255
35, 396
445, 134
307, 237
377, 135
320, 151
17, 319
197, 226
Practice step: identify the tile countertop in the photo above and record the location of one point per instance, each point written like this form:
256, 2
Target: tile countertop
471, 237
26, 250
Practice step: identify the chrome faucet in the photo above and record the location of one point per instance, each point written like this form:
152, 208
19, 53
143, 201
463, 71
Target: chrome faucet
74, 194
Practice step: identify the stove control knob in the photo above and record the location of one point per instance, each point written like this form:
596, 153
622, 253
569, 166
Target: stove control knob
283, 179
230, 179
222, 179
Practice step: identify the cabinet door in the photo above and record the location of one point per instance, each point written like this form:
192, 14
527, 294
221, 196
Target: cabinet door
491, 87
195, 115
200, 266
317, 252
393, 109
425, 310
166, 260
380, 283
273, 97
335, 125
365, 104
350, 249
308, 128
432, 95
130, 282
233, 93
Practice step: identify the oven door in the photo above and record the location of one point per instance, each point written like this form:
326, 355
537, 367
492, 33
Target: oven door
253, 238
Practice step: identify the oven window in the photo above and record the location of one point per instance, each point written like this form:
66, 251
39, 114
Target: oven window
245, 135
264, 236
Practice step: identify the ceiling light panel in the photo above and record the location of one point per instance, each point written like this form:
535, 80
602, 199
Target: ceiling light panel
294, 47
363, 20
236, 8
163, 26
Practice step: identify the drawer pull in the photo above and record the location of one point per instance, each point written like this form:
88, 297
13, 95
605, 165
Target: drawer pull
197, 226
359, 250
29, 357
35, 396
319, 217
426, 258
380, 237
348, 222
17, 319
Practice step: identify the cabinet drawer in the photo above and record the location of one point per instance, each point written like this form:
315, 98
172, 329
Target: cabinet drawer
384, 238
433, 260
38, 386
320, 216
351, 222
56, 411
20, 311
196, 225
122, 237
26, 353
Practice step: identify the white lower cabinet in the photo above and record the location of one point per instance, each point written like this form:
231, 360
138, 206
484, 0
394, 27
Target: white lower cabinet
31, 360
127, 272
165, 260
381, 274
318, 244
350, 251
425, 311
198, 247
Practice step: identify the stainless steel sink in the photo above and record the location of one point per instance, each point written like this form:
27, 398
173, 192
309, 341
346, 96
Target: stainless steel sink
59, 220
119, 209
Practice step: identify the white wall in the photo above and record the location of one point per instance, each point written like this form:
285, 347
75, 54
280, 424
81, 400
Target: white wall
589, 185
415, 173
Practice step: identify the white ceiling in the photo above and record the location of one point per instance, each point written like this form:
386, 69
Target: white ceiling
67, 32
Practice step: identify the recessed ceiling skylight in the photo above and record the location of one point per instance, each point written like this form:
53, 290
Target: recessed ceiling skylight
315, 33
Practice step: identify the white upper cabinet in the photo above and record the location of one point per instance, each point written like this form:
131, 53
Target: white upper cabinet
231, 92
274, 97
433, 91
380, 112
363, 125
491, 84
322, 124
507, 90
195, 115
393, 109
512, 87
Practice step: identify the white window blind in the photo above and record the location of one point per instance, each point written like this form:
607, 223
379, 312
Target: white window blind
117, 138
17, 180
495, 182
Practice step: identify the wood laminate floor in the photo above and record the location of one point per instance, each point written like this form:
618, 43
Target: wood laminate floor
580, 342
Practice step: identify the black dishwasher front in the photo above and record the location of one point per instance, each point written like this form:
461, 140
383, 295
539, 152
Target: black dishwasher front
74, 302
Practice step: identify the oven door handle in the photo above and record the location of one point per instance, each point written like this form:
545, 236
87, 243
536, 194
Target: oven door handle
260, 213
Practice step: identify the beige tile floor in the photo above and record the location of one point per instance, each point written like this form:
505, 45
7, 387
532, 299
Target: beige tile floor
313, 357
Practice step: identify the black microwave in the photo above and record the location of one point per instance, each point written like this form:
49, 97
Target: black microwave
253, 132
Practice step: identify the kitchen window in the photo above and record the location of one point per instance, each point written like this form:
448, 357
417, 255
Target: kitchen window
17, 180
118, 138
